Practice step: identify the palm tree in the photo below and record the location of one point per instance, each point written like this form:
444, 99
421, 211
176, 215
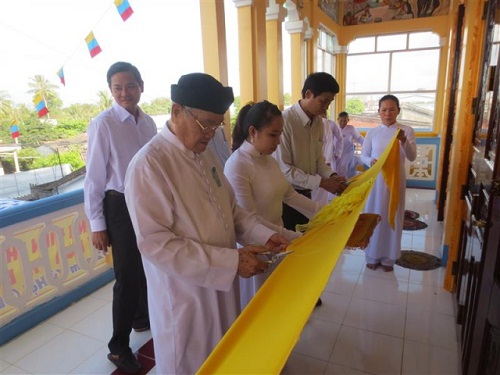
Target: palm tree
5, 104
105, 99
41, 86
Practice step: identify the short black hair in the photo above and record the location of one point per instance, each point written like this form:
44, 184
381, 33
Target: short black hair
319, 83
388, 97
343, 114
122, 66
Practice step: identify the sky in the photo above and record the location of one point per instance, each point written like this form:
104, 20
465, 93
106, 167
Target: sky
162, 38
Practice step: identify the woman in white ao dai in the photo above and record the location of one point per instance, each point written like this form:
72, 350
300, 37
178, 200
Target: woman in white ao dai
256, 177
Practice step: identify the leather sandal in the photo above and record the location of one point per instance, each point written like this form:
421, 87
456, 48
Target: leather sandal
372, 266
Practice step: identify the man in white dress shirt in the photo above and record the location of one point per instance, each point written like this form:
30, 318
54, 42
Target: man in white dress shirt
187, 224
113, 139
300, 153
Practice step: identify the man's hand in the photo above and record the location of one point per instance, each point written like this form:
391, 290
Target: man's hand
100, 240
335, 184
249, 264
277, 243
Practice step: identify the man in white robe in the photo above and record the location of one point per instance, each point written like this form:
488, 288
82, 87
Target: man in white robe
187, 224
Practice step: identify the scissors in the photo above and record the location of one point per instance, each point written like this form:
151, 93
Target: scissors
272, 258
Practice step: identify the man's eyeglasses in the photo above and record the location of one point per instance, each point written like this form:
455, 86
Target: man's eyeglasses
205, 128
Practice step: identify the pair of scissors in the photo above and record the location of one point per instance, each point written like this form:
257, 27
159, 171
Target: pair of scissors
272, 258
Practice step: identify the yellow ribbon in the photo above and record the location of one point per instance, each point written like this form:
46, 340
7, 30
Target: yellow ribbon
261, 339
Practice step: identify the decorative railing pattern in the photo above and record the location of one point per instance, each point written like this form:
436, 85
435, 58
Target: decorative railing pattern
46, 252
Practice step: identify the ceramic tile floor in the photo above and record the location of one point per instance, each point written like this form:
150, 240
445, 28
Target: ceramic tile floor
370, 322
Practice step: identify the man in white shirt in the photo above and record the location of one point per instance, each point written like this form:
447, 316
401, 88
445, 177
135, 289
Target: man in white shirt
300, 153
187, 224
113, 139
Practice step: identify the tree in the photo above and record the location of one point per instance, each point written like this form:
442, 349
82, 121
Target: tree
105, 99
287, 100
158, 106
41, 86
355, 106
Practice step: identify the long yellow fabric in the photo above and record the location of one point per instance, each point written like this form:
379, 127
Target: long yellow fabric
390, 171
261, 339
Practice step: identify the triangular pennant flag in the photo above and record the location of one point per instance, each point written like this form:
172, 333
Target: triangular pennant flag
60, 74
14, 129
124, 9
92, 45
40, 106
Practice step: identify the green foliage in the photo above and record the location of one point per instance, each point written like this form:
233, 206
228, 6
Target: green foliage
71, 157
158, 106
287, 100
355, 106
84, 112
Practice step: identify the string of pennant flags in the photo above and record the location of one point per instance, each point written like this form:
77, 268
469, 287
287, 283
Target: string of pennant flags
125, 11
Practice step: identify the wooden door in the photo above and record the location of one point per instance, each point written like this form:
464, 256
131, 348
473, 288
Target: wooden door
479, 267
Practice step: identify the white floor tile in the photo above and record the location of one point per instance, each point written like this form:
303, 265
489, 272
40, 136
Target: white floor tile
60, 355
342, 283
138, 339
97, 363
76, 312
14, 370
432, 277
334, 369
298, 364
105, 293
420, 359
21, 346
431, 328
376, 316
381, 289
3, 365
400, 273
333, 308
317, 339
349, 263
97, 325
368, 351
430, 298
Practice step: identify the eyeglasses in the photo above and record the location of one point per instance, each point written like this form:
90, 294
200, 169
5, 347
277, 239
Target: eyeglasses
205, 128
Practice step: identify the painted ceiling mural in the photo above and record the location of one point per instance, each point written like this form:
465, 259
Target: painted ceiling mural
358, 12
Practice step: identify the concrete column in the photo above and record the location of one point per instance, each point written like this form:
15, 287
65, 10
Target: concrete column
275, 15
296, 28
252, 50
213, 33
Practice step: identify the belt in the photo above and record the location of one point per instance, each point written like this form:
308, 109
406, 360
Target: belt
115, 193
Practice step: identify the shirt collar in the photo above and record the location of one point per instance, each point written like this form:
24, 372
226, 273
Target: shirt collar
172, 138
304, 118
250, 149
122, 113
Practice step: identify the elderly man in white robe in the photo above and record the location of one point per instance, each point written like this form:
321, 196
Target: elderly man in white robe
187, 225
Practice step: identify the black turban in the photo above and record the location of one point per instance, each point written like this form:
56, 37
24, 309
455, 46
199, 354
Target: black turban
202, 91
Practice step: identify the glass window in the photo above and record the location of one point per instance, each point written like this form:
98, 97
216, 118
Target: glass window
423, 40
415, 70
405, 65
325, 56
391, 42
362, 45
363, 77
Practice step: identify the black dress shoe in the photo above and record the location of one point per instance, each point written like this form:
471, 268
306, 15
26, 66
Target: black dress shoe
126, 362
319, 302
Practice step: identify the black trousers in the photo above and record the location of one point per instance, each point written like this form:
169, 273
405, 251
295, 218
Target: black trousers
130, 303
291, 217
